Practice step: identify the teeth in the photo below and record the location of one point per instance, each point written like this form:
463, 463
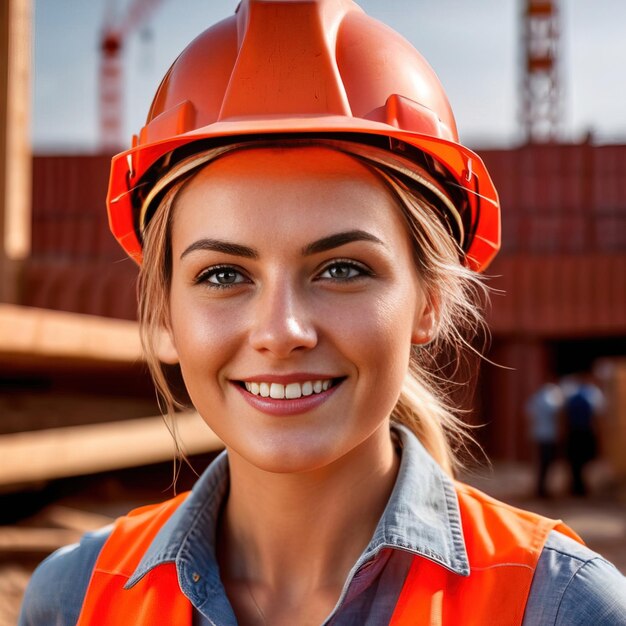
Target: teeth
293, 390
277, 391
290, 391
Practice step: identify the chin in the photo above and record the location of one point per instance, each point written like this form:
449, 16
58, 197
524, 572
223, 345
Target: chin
280, 454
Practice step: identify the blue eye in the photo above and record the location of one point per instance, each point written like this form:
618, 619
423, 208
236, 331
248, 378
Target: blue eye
222, 276
344, 271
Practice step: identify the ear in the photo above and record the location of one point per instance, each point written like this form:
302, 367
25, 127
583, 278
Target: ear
426, 323
166, 347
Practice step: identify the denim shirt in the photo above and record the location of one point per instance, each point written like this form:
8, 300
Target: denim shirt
572, 585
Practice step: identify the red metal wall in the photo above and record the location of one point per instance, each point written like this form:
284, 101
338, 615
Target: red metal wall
562, 269
76, 265
561, 199
561, 274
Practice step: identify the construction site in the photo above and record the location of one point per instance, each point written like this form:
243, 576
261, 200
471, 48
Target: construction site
81, 435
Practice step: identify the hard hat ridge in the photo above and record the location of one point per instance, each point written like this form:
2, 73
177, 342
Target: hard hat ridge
304, 37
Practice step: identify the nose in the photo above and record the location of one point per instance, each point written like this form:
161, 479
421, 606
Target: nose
282, 321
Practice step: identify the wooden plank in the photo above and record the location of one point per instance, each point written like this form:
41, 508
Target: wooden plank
39, 540
59, 452
41, 332
13, 580
18, 151
15, 151
62, 526
74, 519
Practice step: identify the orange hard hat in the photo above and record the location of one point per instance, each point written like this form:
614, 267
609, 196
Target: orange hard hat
304, 68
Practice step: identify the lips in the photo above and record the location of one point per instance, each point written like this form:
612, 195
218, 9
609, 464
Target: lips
287, 395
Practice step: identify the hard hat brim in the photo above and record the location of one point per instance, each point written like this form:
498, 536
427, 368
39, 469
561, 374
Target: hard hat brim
465, 166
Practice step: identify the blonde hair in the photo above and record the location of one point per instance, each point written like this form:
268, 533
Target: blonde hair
435, 371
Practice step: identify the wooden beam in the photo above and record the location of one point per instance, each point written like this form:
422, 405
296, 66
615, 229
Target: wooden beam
15, 149
30, 457
60, 516
27, 331
63, 525
38, 540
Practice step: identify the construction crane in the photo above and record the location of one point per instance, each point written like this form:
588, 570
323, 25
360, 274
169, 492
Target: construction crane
115, 32
541, 93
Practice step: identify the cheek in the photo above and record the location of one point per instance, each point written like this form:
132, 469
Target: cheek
206, 336
376, 332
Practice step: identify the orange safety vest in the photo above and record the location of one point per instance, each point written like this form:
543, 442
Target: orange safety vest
503, 546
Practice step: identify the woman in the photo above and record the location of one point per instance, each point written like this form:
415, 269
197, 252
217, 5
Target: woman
309, 231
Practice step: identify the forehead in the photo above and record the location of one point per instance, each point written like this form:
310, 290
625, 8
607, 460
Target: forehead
297, 193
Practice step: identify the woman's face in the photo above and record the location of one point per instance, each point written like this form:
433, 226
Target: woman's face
293, 277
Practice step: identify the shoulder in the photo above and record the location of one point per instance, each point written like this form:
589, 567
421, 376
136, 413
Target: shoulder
575, 586
57, 587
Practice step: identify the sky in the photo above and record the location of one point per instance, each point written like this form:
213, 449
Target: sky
473, 45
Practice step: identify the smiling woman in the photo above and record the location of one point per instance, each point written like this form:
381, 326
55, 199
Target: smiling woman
304, 294
282, 196
310, 234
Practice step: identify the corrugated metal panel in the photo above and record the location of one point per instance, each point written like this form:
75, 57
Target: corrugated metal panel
561, 199
522, 366
559, 295
76, 264
69, 208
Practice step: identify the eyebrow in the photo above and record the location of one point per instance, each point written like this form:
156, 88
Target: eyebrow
227, 247
339, 239
321, 245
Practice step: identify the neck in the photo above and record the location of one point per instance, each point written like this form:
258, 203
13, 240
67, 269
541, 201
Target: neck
300, 533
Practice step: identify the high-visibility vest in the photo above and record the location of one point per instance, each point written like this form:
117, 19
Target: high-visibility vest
503, 546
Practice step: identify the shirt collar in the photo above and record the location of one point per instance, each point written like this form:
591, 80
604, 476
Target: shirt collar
188, 537
421, 517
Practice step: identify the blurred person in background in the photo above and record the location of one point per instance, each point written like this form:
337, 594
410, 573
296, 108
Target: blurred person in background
583, 404
310, 233
544, 411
